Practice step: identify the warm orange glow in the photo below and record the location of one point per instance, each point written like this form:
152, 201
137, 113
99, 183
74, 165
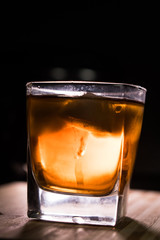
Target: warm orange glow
73, 157
81, 145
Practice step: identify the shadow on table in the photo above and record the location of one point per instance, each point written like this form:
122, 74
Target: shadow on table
127, 229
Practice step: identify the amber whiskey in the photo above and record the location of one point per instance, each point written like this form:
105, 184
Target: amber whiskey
82, 145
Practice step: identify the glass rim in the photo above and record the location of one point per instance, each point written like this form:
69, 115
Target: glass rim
87, 82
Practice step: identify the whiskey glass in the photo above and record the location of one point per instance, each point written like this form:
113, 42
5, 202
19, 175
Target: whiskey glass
81, 147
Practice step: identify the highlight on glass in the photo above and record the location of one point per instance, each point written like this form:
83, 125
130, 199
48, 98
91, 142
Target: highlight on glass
82, 144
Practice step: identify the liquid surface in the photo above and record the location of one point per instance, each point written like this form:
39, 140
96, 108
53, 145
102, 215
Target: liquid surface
79, 145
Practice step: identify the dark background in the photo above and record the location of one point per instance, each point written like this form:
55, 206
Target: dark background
82, 41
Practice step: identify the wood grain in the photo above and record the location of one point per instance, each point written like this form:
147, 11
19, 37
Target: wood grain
142, 220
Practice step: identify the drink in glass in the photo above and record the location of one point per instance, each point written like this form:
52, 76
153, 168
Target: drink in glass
82, 142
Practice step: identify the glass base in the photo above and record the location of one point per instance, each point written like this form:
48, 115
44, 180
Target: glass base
77, 209
59, 207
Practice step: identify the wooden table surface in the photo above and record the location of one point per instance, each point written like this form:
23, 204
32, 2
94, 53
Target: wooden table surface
142, 220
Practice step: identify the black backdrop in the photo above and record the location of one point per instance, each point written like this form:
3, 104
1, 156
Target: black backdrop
92, 40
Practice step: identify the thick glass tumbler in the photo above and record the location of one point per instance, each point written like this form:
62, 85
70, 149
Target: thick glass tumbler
82, 143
